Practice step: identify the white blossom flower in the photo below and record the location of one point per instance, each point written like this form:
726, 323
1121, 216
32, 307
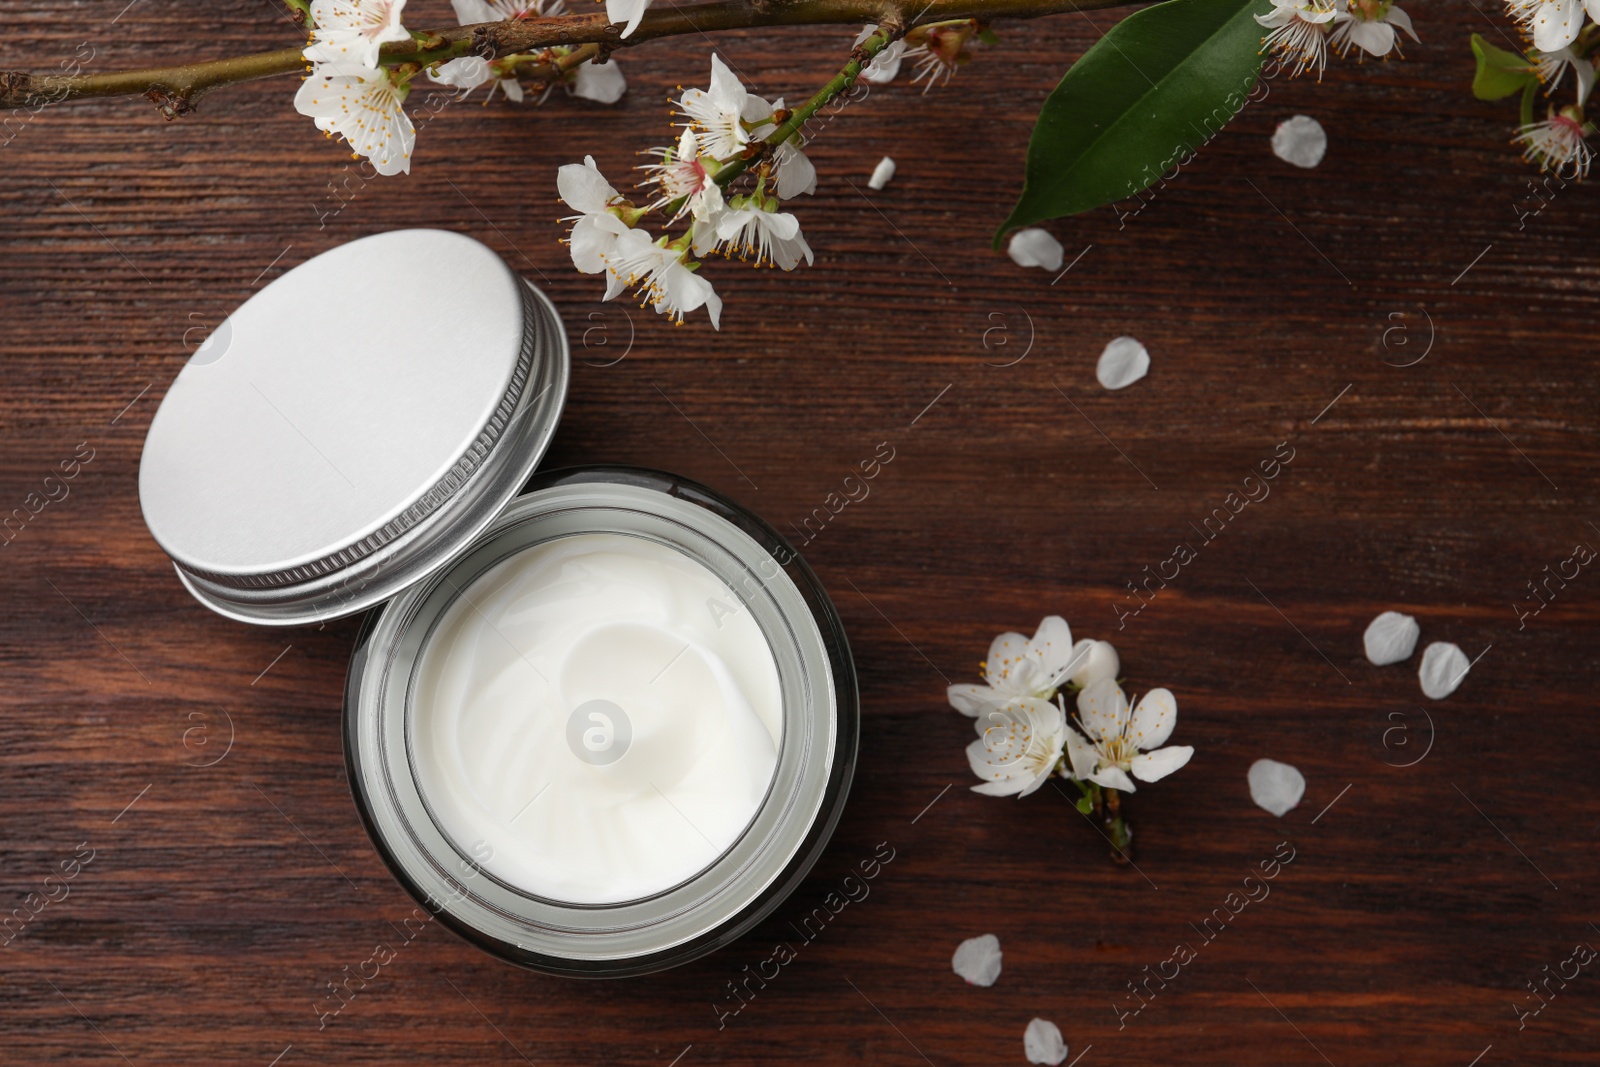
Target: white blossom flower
351, 31
1551, 67
1553, 23
1558, 143
1300, 32
717, 114
597, 227
1020, 667
362, 105
1116, 742
1370, 26
629, 11
685, 175
727, 117
662, 275
886, 64
1018, 747
754, 229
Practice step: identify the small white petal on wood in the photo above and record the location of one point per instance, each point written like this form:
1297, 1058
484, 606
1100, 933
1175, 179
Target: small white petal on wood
1301, 141
1123, 362
1042, 1042
1444, 665
881, 174
1276, 787
977, 959
1034, 247
1390, 638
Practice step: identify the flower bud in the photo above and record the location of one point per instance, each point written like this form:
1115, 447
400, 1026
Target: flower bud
1093, 661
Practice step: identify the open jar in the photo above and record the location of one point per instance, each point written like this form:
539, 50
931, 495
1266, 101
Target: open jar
600, 723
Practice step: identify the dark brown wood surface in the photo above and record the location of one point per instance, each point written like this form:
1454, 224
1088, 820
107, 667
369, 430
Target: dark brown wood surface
1428, 356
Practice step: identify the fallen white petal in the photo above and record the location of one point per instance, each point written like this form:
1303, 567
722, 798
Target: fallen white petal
881, 173
1034, 247
978, 960
1301, 141
1042, 1043
1123, 362
1443, 667
1276, 787
1390, 638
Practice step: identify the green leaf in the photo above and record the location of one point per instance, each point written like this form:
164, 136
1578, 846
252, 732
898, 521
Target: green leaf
1161, 83
1085, 805
1500, 73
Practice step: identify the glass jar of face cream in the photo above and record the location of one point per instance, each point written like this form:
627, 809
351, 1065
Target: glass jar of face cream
600, 727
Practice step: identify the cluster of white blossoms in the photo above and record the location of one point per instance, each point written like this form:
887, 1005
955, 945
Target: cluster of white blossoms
728, 135
1024, 731
1302, 31
1565, 36
349, 93
721, 123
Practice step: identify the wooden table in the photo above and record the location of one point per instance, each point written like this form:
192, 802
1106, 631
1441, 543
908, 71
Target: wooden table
1428, 361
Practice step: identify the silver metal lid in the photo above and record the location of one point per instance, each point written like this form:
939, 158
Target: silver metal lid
352, 426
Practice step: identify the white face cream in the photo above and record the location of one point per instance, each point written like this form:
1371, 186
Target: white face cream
596, 719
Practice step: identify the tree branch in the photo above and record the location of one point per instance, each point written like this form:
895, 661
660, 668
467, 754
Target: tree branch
177, 88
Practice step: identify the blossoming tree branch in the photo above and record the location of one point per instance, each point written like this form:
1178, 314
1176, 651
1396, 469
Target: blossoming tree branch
1138, 103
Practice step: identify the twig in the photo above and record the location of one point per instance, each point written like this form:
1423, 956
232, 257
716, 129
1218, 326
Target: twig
176, 88
891, 30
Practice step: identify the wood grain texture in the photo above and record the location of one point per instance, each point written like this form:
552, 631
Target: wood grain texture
219, 904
